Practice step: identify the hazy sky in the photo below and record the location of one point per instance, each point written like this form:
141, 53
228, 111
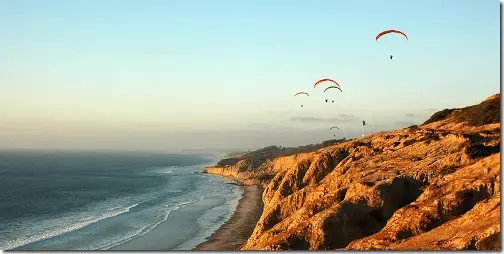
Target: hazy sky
176, 74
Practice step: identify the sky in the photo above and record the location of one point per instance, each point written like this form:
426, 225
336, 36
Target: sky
174, 75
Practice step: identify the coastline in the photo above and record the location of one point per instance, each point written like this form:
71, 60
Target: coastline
235, 232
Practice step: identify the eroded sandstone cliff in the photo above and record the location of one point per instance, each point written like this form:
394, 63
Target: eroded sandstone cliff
434, 186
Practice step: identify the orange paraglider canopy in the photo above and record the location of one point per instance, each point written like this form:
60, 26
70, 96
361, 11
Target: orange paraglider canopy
301, 93
391, 31
324, 80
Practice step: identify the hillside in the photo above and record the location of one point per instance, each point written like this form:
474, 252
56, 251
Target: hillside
487, 112
430, 187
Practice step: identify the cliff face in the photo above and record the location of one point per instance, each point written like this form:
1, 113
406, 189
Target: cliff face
262, 174
436, 186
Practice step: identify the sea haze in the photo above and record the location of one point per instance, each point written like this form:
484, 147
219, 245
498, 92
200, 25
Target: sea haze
61, 200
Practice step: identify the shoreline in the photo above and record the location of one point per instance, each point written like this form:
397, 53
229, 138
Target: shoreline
234, 233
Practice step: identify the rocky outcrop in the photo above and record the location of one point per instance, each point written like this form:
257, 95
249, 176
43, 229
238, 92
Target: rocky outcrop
434, 186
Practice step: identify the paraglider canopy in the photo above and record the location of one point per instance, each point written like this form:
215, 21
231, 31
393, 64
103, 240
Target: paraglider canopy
391, 31
298, 93
332, 87
324, 80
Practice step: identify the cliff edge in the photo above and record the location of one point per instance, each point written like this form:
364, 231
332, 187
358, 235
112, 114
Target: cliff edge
430, 187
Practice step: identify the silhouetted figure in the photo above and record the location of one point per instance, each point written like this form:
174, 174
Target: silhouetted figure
325, 100
391, 56
332, 101
301, 105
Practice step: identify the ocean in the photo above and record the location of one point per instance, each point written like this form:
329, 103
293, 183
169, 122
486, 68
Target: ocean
62, 200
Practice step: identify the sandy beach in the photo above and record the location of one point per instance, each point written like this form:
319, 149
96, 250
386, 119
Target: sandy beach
235, 232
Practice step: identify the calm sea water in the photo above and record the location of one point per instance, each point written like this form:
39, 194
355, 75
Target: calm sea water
56, 200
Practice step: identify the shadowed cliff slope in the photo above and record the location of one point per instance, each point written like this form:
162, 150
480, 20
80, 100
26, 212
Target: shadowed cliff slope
434, 186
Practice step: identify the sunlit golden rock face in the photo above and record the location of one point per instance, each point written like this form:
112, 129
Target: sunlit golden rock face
434, 186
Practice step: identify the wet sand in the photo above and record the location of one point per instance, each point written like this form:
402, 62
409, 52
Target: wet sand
236, 231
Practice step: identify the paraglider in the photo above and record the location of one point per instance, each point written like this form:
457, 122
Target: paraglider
391, 31
298, 93
331, 87
334, 127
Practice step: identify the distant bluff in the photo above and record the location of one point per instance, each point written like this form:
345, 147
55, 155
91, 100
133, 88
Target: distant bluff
487, 112
433, 186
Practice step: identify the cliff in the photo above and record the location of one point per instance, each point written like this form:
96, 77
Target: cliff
260, 166
433, 186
